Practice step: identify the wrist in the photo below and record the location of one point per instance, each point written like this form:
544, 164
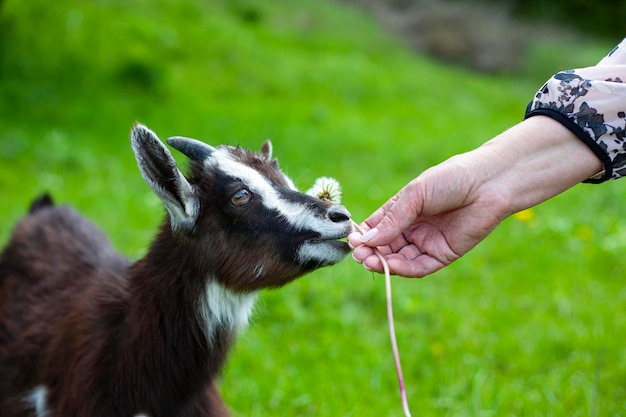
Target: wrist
532, 162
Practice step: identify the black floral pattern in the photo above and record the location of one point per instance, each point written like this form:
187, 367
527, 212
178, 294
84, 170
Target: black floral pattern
591, 102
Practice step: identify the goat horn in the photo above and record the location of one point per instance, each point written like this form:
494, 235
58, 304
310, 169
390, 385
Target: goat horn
192, 148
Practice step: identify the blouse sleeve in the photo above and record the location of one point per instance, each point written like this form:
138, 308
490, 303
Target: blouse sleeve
591, 102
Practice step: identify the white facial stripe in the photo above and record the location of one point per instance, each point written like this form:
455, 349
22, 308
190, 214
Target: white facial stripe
297, 215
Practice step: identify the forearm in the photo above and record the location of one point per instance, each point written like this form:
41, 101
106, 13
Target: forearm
591, 103
574, 131
530, 163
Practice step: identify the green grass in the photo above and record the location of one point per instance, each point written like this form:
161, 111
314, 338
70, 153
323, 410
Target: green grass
528, 324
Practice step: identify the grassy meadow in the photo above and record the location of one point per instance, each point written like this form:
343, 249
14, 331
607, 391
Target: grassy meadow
531, 323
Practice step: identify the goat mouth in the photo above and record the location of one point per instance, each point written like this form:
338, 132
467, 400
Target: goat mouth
333, 246
322, 251
339, 242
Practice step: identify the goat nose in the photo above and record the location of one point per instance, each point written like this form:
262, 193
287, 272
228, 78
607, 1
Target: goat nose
338, 214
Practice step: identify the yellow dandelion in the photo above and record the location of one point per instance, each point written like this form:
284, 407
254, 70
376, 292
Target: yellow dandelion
525, 215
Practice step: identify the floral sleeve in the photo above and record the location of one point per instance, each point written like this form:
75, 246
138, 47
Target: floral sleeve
591, 102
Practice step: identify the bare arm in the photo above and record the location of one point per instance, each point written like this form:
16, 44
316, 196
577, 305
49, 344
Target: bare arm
450, 208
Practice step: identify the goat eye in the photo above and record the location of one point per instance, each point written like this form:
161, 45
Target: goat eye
241, 197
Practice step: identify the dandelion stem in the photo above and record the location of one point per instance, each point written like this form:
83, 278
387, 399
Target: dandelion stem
392, 329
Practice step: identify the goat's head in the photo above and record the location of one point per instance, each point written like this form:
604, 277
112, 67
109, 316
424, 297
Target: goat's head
248, 224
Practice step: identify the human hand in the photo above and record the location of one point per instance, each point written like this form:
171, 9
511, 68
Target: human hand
447, 210
435, 219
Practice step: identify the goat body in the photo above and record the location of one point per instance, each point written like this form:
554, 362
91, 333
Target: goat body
84, 332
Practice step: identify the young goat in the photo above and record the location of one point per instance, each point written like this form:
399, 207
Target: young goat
85, 333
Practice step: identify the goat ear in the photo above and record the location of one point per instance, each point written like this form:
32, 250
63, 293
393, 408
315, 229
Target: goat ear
161, 173
266, 150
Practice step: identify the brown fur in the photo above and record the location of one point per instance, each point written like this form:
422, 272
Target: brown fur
107, 337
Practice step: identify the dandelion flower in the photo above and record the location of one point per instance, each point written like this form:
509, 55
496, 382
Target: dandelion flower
326, 189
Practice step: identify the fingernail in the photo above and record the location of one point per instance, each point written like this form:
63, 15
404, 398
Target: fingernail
357, 260
352, 236
369, 235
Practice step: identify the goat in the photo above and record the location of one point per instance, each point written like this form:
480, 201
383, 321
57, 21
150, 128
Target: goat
86, 333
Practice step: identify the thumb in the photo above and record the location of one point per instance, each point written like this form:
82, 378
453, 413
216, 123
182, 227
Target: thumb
395, 220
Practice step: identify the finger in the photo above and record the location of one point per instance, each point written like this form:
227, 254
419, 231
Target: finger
379, 214
409, 252
398, 214
394, 223
372, 263
361, 253
417, 268
354, 240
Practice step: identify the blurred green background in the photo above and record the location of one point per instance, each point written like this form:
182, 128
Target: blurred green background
531, 323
